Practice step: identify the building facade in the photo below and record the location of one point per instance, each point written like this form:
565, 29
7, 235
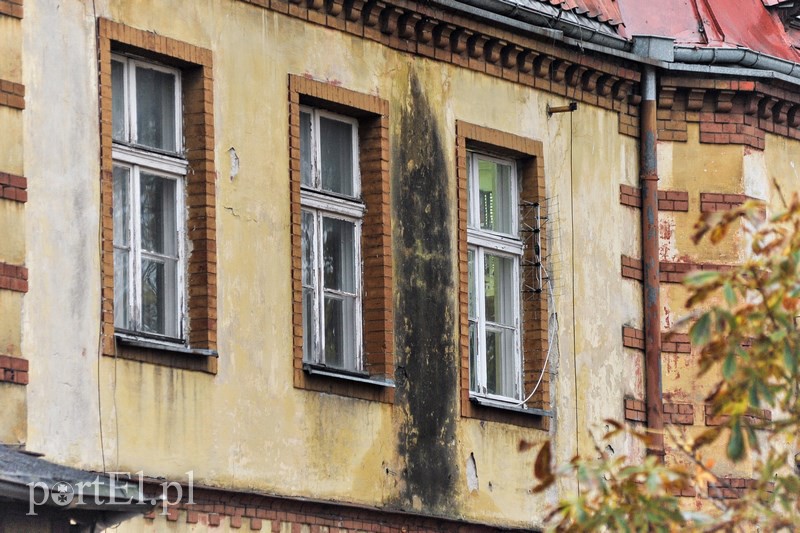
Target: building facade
341, 264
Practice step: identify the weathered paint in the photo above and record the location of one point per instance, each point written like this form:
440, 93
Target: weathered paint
247, 427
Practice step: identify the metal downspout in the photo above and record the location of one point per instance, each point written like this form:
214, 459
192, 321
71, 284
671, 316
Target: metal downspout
652, 321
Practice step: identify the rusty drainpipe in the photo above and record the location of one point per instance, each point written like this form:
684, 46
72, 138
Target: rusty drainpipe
648, 175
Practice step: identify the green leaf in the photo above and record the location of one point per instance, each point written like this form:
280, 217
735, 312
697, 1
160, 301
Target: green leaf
729, 366
700, 279
700, 333
789, 358
736, 442
730, 296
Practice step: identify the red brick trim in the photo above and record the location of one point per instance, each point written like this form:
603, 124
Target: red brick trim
376, 237
529, 155
12, 94
198, 122
733, 488
635, 410
632, 338
667, 200
13, 370
710, 202
684, 492
13, 277
272, 513
753, 417
434, 33
675, 343
679, 413
670, 271
11, 8
13, 187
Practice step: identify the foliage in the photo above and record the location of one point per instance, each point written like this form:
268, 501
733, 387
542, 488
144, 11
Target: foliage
745, 336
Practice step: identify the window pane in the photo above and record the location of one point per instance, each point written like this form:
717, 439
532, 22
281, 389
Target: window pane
339, 254
155, 109
118, 101
158, 223
121, 205
336, 147
499, 289
473, 355
500, 362
306, 149
308, 229
309, 326
470, 213
496, 207
159, 301
473, 311
340, 332
121, 284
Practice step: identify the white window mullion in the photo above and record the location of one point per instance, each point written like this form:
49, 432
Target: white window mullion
480, 296
136, 251
319, 355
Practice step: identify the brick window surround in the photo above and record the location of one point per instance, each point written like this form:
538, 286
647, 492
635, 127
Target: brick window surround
530, 166
372, 114
195, 65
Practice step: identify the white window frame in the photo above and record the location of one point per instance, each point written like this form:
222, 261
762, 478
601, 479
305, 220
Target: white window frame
326, 204
480, 242
165, 164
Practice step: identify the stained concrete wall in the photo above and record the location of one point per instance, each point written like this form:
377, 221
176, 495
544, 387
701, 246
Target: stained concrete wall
247, 427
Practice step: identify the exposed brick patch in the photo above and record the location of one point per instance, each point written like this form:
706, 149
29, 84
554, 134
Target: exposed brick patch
13, 187
674, 272
13, 277
632, 338
710, 202
667, 200
376, 238
427, 31
684, 492
675, 343
679, 413
530, 163
12, 94
635, 410
272, 513
13, 370
753, 417
11, 8
195, 64
732, 488
632, 268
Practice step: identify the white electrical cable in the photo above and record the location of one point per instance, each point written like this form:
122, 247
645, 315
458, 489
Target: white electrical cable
552, 332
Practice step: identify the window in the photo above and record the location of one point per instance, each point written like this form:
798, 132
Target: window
341, 234
503, 310
158, 199
148, 174
494, 255
331, 224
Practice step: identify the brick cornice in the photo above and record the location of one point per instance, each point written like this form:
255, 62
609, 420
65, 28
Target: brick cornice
13, 187
13, 370
12, 94
421, 29
13, 277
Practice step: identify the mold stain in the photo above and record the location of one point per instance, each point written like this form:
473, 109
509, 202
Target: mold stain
426, 376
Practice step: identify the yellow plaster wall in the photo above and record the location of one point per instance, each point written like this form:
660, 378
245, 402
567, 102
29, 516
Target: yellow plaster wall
247, 427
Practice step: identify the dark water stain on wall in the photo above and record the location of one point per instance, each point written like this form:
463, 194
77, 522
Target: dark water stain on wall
427, 372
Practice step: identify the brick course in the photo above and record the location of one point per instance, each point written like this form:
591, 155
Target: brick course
674, 413
11, 8
12, 94
669, 271
667, 200
13, 187
13, 277
754, 417
710, 202
13, 370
